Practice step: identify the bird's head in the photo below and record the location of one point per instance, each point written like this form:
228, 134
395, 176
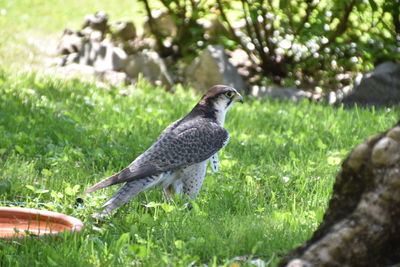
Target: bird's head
220, 98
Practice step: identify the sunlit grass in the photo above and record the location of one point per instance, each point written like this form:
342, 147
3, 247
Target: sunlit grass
30, 29
58, 137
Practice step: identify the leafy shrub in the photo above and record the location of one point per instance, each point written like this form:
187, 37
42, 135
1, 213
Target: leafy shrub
185, 15
305, 43
315, 42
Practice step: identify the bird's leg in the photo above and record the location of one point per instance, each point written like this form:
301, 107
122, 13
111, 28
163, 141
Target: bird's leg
172, 189
168, 193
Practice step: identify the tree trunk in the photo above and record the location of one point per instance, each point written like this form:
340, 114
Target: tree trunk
361, 226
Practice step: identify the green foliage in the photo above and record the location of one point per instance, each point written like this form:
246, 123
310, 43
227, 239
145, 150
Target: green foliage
305, 43
189, 36
59, 137
312, 43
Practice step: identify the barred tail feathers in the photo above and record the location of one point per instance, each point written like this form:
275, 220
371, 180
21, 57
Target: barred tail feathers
104, 183
126, 193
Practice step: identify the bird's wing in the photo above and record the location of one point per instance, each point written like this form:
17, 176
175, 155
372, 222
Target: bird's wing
169, 129
189, 143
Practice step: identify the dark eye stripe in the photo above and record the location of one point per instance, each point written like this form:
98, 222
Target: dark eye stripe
230, 101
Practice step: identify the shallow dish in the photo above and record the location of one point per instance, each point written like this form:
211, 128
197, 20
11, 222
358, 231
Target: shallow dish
21, 222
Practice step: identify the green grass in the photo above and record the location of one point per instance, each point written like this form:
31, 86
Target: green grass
60, 136
57, 137
31, 28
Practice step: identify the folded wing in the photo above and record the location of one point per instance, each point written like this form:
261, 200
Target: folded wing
188, 143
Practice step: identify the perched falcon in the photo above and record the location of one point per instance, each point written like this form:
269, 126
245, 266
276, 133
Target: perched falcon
177, 161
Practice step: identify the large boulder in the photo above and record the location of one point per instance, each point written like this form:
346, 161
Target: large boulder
380, 87
213, 67
361, 225
151, 66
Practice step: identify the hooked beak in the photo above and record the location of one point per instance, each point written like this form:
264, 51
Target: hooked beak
238, 98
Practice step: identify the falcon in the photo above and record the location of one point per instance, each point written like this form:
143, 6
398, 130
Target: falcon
178, 159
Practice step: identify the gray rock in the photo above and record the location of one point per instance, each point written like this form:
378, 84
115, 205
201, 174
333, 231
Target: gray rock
163, 24
380, 87
71, 42
335, 97
290, 93
67, 59
95, 26
101, 55
114, 78
97, 21
92, 35
213, 67
151, 66
123, 30
110, 57
89, 53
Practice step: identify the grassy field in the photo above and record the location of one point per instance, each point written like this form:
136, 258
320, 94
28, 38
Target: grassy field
60, 136
30, 29
57, 137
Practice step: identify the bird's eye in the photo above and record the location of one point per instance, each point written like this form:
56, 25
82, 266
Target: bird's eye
229, 94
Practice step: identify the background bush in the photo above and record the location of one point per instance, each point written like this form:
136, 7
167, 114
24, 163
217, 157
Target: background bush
305, 43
